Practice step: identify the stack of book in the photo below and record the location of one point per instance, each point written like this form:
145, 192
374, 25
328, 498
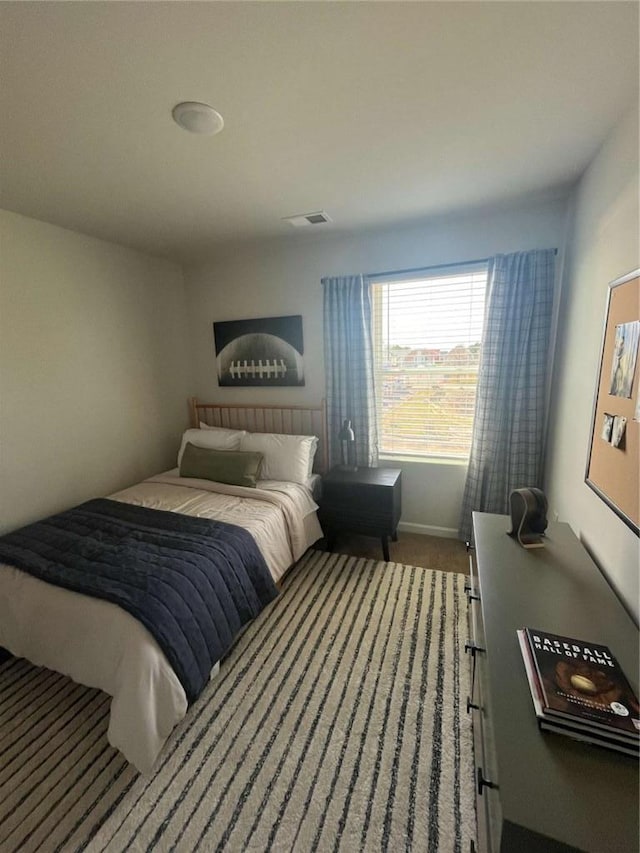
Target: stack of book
578, 689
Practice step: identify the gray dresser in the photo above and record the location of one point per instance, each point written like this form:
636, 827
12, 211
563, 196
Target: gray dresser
540, 791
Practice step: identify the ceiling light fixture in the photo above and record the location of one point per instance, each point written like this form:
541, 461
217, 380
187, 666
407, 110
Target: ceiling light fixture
197, 118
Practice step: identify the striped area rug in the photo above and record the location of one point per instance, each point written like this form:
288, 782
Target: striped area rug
336, 723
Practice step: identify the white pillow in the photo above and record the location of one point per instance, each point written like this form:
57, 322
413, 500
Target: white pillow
286, 457
211, 439
239, 432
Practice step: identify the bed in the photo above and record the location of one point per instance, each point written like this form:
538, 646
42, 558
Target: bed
100, 644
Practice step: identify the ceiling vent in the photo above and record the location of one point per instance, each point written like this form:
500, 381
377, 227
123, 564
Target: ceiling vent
318, 217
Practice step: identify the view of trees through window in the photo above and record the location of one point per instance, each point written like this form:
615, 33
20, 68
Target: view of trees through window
427, 334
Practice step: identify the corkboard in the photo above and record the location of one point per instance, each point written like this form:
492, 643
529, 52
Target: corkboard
614, 472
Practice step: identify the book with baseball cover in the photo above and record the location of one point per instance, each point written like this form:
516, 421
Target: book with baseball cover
589, 737
621, 742
581, 684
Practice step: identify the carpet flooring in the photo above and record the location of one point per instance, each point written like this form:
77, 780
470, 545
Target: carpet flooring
337, 723
411, 549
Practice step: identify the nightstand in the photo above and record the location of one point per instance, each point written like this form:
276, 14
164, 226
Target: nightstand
367, 501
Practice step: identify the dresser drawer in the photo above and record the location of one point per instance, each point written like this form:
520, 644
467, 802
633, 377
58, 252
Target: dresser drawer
487, 795
487, 798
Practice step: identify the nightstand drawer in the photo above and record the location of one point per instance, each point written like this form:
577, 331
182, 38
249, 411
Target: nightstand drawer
376, 521
363, 499
368, 497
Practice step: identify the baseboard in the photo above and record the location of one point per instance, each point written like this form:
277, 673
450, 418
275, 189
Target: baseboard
428, 530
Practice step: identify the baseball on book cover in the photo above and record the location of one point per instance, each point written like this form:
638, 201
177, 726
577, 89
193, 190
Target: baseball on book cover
583, 681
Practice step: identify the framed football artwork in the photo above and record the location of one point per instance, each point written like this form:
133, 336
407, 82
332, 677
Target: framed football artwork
266, 351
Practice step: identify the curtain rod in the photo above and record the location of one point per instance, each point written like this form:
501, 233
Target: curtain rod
436, 267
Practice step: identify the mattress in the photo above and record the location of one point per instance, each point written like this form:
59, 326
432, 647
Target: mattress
314, 484
100, 645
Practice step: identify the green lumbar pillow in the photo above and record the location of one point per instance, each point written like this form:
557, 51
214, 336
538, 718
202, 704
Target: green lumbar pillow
234, 467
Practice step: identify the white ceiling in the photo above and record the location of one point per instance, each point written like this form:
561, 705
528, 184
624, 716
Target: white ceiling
375, 112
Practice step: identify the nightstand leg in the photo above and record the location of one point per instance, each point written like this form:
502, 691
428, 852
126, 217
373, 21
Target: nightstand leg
385, 548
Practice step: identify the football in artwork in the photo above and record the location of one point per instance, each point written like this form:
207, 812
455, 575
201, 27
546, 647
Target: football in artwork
266, 351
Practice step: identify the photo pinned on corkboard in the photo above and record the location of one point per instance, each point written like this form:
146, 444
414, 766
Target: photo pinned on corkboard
618, 430
625, 355
607, 426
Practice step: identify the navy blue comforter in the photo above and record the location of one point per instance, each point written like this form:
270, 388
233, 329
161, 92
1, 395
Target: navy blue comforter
192, 582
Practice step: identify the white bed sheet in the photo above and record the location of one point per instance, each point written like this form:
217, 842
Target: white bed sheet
100, 645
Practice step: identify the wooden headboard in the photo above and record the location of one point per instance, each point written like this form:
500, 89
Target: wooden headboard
286, 420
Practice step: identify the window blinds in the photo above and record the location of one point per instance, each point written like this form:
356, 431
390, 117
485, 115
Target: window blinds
427, 329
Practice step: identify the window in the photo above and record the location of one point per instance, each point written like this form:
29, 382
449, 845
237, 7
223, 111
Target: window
427, 329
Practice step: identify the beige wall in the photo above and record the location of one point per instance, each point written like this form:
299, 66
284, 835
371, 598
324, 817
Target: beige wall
604, 245
93, 367
283, 277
